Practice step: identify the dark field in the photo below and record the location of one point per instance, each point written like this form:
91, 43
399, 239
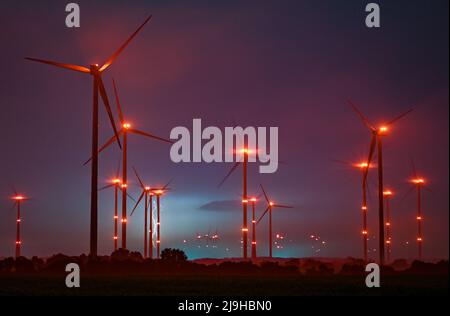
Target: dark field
127, 273
223, 286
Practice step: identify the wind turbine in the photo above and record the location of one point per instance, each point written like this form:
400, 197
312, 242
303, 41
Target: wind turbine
146, 192
377, 136
116, 183
126, 129
18, 199
362, 166
245, 152
387, 196
151, 230
270, 206
214, 238
253, 201
96, 72
158, 192
418, 182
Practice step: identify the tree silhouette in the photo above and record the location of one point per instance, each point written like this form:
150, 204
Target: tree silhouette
170, 255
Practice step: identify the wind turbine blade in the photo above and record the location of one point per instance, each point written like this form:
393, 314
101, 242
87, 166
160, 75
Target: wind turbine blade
121, 48
265, 194
399, 117
108, 108
342, 162
406, 194
233, 121
282, 206
137, 203
119, 107
61, 65
119, 163
161, 189
167, 184
362, 116
139, 178
229, 174
414, 168
129, 196
13, 188
262, 216
106, 145
135, 131
368, 190
106, 187
369, 159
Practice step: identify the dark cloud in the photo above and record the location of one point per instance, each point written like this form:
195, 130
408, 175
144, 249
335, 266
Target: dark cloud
221, 206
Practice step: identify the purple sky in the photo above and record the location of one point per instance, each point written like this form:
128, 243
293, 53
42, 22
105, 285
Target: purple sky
291, 64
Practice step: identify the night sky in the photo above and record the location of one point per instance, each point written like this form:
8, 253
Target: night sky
291, 64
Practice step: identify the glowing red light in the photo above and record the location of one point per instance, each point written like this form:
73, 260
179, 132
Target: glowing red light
418, 181
383, 129
362, 165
